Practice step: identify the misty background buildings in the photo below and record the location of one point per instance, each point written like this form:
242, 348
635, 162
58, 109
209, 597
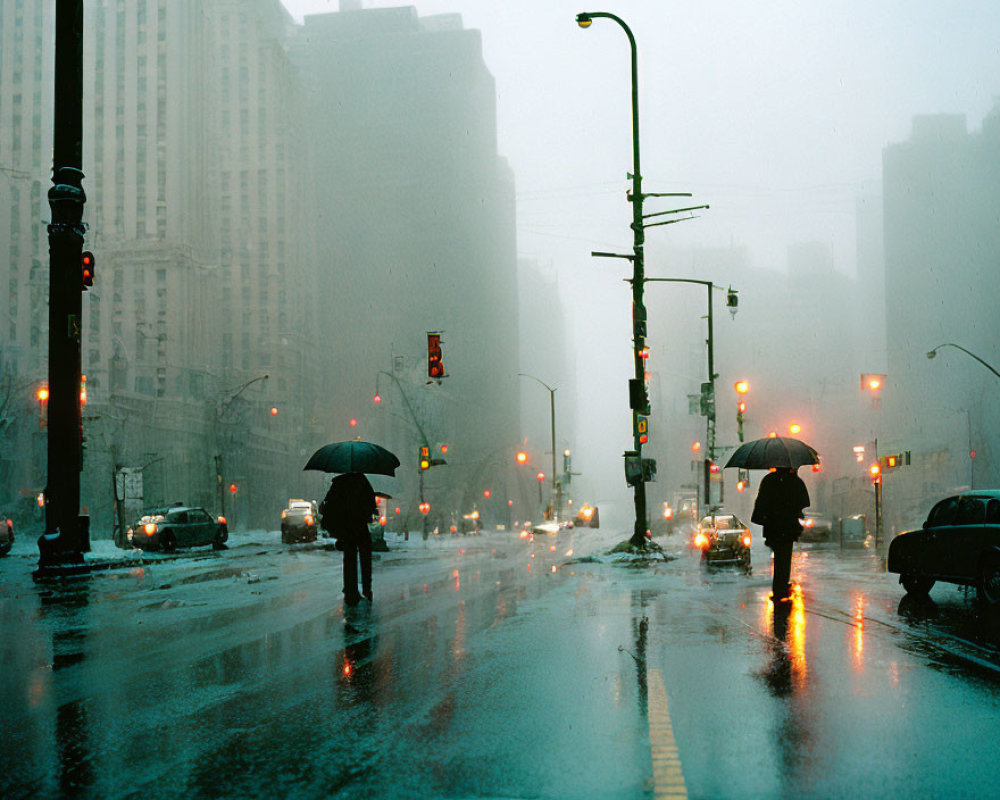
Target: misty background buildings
306, 201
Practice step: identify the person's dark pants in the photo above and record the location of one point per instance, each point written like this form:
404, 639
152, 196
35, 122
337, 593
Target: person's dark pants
358, 547
782, 568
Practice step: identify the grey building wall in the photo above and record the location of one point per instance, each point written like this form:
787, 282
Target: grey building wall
415, 232
942, 244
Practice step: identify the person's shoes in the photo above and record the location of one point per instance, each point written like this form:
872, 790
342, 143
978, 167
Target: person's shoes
352, 598
368, 595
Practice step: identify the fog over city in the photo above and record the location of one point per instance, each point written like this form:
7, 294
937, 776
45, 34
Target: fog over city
284, 206
776, 116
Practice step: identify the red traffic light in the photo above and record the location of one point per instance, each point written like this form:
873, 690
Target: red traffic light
540, 476
233, 488
435, 366
487, 493
87, 269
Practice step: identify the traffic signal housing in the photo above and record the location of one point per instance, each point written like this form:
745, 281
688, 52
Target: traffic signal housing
87, 269
435, 364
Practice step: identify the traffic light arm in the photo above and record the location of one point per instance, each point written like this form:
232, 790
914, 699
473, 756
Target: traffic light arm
406, 401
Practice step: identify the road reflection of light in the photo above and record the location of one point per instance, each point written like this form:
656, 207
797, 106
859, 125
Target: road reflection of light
797, 638
552, 548
894, 673
554, 567
791, 633
569, 552
859, 633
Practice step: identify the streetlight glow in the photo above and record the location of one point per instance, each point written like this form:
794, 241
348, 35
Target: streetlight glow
742, 387
794, 428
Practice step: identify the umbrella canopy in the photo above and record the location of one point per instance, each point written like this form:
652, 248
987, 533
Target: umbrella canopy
353, 456
775, 451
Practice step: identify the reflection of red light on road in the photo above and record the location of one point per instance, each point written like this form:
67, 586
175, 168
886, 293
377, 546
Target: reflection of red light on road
859, 632
552, 548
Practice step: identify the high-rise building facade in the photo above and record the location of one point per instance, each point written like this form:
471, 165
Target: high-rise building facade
941, 192
415, 232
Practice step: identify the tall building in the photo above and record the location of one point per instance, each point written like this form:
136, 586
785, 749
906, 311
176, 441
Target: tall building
942, 244
279, 215
193, 213
26, 55
415, 232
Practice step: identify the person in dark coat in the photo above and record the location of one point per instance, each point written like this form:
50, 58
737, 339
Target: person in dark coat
780, 500
345, 512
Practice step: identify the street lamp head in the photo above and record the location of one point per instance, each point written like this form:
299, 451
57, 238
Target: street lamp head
584, 20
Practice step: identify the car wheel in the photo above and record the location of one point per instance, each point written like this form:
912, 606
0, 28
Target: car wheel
168, 544
916, 584
988, 586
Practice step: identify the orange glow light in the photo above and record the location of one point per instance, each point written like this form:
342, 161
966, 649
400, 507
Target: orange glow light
742, 387
521, 457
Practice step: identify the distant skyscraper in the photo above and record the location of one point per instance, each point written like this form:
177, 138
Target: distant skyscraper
414, 213
942, 247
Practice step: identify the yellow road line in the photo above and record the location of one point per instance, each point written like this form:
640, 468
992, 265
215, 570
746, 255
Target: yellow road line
668, 779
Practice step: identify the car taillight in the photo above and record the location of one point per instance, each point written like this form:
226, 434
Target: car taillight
309, 519
222, 520
746, 540
701, 540
149, 528
808, 522
284, 513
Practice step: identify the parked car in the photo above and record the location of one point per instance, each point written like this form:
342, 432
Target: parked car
6, 536
854, 531
168, 528
958, 543
723, 539
299, 522
816, 527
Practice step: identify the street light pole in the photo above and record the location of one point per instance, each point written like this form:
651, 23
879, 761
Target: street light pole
556, 494
584, 20
66, 538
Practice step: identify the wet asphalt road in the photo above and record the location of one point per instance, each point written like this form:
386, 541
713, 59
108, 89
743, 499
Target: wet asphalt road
492, 666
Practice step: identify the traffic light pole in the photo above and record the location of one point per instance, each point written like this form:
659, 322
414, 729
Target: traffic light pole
65, 539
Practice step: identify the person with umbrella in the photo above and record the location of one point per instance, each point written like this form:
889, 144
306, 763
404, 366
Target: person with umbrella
346, 511
780, 500
350, 504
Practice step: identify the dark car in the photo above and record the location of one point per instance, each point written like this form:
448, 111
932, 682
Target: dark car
723, 539
299, 522
959, 543
166, 529
6, 536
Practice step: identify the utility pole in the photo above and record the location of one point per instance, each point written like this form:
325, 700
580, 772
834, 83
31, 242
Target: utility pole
66, 536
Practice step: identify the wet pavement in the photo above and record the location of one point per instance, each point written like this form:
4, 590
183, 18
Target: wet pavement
491, 666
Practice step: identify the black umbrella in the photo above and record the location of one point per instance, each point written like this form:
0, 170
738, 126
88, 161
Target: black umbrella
775, 451
353, 456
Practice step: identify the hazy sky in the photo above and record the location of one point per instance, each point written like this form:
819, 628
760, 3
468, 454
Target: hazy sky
775, 113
